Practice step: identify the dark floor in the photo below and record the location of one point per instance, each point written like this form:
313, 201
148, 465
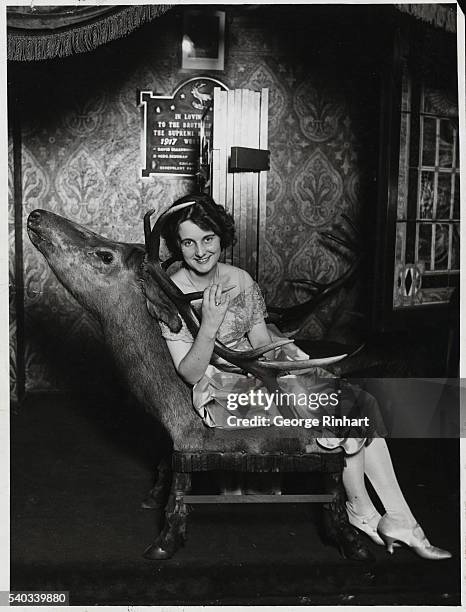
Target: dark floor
80, 470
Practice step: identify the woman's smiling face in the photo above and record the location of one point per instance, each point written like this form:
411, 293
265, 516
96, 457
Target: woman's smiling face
200, 248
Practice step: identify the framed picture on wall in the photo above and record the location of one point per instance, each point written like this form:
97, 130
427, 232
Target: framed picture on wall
203, 44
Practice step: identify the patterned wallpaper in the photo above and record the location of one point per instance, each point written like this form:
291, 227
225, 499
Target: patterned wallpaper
11, 272
80, 130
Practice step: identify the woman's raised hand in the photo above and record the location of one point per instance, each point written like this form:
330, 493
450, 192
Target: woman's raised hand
214, 307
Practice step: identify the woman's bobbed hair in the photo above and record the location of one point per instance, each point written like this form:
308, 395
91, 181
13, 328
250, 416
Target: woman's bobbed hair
206, 214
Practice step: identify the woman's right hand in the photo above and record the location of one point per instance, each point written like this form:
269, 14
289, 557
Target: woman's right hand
214, 307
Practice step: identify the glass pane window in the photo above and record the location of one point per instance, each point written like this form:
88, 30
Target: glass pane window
439, 102
456, 198
400, 240
429, 141
428, 204
424, 249
455, 247
442, 246
443, 208
426, 196
447, 138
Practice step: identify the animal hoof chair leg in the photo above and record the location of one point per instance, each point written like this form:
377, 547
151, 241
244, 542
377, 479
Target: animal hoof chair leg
158, 551
337, 527
169, 541
157, 497
351, 546
173, 533
151, 503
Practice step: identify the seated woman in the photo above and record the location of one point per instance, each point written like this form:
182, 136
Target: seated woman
233, 311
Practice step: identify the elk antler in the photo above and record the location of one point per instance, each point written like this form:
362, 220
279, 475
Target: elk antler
344, 238
248, 360
339, 236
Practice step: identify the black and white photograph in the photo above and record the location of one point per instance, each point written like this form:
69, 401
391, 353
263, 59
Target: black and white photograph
234, 304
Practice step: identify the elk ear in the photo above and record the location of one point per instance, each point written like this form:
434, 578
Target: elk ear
134, 256
159, 304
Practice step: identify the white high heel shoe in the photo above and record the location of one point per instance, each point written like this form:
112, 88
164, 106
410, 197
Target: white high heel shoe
394, 529
367, 523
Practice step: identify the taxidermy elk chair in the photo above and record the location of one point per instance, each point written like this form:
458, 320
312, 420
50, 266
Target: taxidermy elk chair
246, 450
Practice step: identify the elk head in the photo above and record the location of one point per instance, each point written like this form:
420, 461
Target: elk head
82, 259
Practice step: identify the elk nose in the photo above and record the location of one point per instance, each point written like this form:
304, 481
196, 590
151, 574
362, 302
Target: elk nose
34, 217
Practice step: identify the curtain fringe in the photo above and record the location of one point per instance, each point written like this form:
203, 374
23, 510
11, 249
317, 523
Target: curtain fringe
436, 14
27, 47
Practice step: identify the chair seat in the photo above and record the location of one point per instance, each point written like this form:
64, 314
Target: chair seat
323, 461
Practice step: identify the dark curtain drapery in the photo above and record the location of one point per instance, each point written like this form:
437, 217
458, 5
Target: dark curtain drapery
45, 32
439, 15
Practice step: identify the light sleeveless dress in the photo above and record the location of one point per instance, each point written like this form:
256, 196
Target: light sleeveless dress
212, 393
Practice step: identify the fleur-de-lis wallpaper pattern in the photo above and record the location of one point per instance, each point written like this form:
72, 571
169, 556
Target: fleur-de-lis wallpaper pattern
81, 158
11, 272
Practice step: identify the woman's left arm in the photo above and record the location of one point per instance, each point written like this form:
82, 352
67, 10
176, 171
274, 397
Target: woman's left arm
259, 335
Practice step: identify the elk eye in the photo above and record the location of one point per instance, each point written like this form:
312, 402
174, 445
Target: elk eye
105, 256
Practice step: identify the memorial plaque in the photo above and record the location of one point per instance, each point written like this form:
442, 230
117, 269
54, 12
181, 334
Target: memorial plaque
172, 127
